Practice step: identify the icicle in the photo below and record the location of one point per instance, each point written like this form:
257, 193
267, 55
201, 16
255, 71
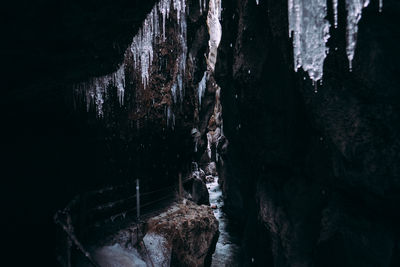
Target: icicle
143, 43
142, 47
354, 10
201, 89
99, 98
380, 5
215, 31
119, 82
164, 7
173, 92
258, 2
315, 86
95, 89
335, 12
310, 32
168, 115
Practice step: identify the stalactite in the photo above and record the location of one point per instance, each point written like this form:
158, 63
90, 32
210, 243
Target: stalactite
142, 47
95, 90
202, 87
354, 11
149, 35
215, 31
335, 12
310, 32
310, 29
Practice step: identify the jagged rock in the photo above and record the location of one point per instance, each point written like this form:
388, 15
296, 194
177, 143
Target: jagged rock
158, 250
211, 169
209, 179
191, 232
184, 235
202, 175
313, 177
197, 189
200, 193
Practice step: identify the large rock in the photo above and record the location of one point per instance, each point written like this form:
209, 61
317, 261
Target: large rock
196, 187
191, 232
200, 193
183, 235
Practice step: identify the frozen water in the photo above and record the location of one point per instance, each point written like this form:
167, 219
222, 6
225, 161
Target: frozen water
227, 251
354, 11
95, 90
310, 31
215, 31
149, 35
335, 12
202, 87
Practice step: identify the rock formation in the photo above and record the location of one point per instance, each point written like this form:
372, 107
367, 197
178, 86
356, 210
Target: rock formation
316, 173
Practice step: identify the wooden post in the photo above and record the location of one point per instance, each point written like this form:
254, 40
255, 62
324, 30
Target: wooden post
180, 185
69, 249
137, 200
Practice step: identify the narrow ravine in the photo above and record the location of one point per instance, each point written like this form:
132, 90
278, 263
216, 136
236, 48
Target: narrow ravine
227, 251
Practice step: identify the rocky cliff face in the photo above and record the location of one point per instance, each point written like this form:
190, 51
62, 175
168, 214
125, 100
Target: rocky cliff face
315, 173
84, 111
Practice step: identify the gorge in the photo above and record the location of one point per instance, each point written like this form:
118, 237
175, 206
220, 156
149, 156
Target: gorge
263, 133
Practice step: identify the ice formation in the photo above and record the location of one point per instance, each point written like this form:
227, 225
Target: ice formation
152, 32
95, 90
309, 29
215, 31
310, 32
203, 5
149, 35
335, 12
354, 10
202, 87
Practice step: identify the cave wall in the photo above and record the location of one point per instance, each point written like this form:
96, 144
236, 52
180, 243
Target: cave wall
55, 148
312, 177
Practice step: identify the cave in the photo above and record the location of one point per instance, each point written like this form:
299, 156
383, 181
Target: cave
201, 133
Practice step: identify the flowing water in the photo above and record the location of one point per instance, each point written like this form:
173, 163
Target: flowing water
227, 251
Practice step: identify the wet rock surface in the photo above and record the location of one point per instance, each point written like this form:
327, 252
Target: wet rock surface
315, 173
184, 234
228, 251
191, 231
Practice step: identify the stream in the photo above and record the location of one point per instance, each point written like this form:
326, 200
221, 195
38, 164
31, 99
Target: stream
227, 251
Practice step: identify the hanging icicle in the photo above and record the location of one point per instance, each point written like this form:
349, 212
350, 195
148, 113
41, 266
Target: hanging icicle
310, 32
354, 11
309, 29
95, 90
152, 33
335, 12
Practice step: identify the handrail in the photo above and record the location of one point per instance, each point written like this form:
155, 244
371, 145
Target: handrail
69, 227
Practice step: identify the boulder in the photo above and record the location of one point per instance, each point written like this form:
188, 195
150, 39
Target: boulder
191, 232
200, 193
